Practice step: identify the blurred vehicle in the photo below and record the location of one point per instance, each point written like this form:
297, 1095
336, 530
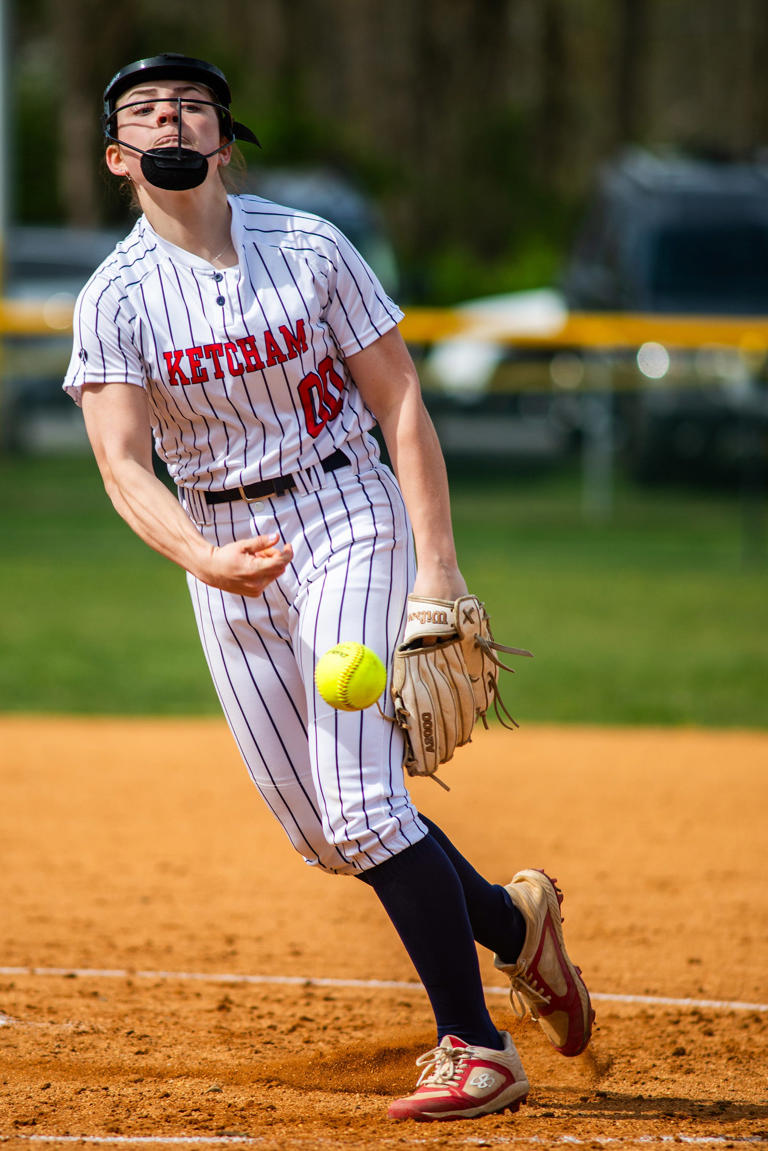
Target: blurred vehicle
671, 235
680, 235
48, 265
328, 194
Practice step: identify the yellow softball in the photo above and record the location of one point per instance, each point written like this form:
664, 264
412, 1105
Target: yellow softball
350, 676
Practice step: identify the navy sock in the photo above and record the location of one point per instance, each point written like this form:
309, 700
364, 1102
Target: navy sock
496, 923
422, 895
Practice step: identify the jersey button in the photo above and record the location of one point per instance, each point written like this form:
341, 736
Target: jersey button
218, 277
221, 300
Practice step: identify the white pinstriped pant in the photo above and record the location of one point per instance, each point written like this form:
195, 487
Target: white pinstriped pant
334, 779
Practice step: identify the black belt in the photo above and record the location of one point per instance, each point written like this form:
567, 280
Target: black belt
274, 487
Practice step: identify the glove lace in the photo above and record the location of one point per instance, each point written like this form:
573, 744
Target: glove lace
442, 1064
503, 715
490, 647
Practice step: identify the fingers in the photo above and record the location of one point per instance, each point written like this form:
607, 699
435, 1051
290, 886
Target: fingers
260, 543
248, 566
263, 548
262, 563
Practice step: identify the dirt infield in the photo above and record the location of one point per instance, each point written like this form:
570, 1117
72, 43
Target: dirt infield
141, 876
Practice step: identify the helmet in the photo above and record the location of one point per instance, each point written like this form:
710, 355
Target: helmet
175, 167
174, 66
166, 66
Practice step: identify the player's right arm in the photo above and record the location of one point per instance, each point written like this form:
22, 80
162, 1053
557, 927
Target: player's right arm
118, 425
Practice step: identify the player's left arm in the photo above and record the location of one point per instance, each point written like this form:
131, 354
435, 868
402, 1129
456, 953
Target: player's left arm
387, 379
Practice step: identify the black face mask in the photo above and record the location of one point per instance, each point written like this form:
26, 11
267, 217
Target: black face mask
174, 167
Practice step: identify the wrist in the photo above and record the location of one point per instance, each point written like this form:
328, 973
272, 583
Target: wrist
200, 560
439, 581
437, 565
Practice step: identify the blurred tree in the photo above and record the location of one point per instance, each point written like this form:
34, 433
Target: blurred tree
631, 63
554, 107
72, 26
753, 76
476, 125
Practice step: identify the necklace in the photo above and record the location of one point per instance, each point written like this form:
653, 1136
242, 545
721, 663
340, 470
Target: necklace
221, 253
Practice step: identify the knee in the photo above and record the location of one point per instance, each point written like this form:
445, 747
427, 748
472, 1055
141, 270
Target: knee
365, 842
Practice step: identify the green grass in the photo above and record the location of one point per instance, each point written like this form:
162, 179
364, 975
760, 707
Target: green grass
652, 617
92, 621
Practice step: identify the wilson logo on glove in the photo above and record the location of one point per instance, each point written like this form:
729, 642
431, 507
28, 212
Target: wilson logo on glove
439, 618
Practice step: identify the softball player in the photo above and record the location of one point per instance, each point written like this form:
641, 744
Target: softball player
256, 348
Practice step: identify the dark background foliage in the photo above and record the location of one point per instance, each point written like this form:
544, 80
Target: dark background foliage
477, 126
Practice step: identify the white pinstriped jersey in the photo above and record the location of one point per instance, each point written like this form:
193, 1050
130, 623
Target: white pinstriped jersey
244, 367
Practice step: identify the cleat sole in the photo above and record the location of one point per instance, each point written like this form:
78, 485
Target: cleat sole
512, 1108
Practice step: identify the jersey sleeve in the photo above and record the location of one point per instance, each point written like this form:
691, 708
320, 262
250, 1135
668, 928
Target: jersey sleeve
358, 311
103, 347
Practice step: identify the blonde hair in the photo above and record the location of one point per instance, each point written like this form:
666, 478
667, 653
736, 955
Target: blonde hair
233, 176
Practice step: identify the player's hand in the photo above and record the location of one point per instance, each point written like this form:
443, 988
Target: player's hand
247, 566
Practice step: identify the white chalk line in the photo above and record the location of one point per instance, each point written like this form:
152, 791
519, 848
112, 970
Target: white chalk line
527, 1140
364, 984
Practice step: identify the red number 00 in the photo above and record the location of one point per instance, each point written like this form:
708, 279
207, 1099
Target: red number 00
320, 404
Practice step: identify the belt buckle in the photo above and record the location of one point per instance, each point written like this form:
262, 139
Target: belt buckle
248, 499
279, 485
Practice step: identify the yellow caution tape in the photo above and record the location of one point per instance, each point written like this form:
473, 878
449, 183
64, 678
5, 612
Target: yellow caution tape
597, 330
600, 330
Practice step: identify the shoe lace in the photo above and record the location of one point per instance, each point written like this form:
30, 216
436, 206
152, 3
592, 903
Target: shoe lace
526, 994
442, 1064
